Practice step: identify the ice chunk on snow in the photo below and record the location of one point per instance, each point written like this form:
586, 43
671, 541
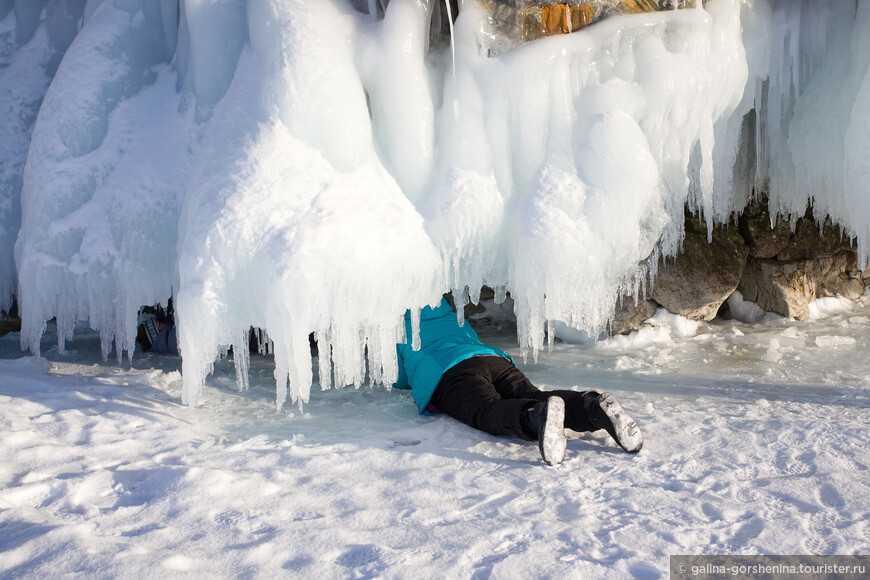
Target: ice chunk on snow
661, 329
829, 306
743, 310
773, 353
828, 341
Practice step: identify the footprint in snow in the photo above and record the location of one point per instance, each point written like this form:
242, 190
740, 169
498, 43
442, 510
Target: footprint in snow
821, 546
830, 497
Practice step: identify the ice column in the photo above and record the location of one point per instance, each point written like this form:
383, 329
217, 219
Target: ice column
100, 190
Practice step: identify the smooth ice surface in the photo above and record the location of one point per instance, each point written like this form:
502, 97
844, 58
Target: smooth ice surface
319, 166
104, 474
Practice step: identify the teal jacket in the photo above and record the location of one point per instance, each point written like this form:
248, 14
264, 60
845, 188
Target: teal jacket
443, 345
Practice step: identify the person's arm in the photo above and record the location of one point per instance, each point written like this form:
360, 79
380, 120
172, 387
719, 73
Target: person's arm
466, 328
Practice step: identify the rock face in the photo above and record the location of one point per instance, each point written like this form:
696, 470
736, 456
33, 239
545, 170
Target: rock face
630, 316
838, 274
764, 242
787, 288
789, 269
778, 287
519, 21
703, 275
810, 242
9, 321
779, 269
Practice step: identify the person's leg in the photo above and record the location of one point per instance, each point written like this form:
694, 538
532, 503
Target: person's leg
489, 393
467, 393
608, 414
584, 410
511, 383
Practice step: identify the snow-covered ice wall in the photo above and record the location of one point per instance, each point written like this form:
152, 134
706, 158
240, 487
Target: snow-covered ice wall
32, 44
815, 113
301, 166
104, 177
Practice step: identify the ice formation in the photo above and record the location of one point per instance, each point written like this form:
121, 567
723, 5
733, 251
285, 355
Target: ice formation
319, 166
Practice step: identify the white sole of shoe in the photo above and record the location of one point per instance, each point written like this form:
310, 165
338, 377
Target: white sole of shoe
627, 433
553, 442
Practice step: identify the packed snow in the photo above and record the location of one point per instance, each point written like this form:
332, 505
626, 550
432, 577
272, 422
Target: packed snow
319, 166
105, 474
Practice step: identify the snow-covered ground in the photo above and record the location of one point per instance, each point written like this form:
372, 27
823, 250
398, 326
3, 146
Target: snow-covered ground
757, 441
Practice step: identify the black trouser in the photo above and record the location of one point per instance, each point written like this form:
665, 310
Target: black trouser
489, 393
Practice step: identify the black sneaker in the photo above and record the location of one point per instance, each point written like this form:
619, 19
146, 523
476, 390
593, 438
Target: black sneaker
609, 415
547, 418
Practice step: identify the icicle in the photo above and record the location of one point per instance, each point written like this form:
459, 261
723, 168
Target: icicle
119, 351
551, 334
242, 359
473, 294
265, 346
415, 328
460, 299
281, 380
373, 355
452, 39
500, 293
324, 360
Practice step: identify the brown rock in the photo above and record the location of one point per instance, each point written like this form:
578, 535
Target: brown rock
513, 24
9, 324
703, 275
764, 241
809, 241
837, 275
783, 288
787, 288
630, 316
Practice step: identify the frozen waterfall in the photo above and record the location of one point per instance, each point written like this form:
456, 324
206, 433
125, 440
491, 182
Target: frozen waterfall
303, 166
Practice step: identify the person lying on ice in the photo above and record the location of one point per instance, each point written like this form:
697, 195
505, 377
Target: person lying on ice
453, 372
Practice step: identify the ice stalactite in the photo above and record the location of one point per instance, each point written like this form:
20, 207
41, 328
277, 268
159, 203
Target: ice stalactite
814, 110
856, 207
100, 190
32, 44
593, 135
290, 223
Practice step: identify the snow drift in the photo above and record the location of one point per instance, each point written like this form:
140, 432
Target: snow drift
303, 166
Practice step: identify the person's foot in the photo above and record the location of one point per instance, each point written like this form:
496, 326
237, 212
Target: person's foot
608, 414
548, 421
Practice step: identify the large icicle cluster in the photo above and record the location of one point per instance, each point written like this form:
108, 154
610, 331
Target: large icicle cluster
32, 45
320, 166
815, 111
